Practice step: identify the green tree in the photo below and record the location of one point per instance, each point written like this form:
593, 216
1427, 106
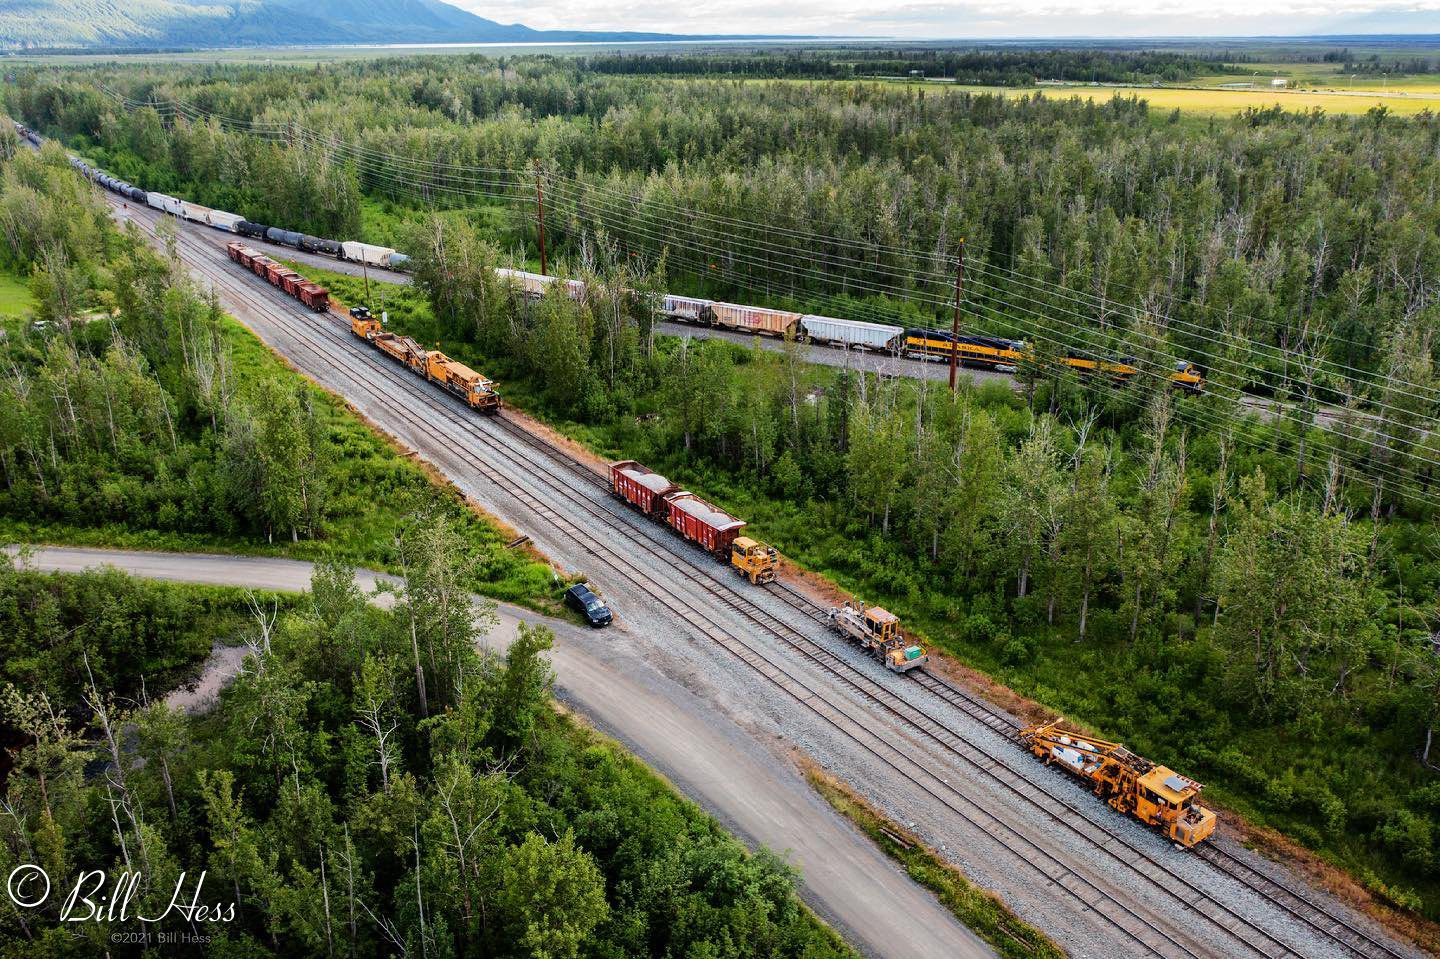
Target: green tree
550, 897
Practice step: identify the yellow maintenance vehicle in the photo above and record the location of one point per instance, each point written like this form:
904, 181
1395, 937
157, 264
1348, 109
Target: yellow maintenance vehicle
474, 388
754, 560
1154, 794
364, 324
878, 632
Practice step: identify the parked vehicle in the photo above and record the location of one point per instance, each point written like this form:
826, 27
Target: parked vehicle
582, 598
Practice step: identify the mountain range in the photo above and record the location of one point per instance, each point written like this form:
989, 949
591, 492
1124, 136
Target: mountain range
170, 24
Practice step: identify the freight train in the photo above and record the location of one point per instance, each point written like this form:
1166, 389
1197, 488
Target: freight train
352, 250
994, 353
718, 533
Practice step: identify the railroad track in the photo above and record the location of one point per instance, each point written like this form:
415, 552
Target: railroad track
1334, 928
399, 390
324, 346
1282, 895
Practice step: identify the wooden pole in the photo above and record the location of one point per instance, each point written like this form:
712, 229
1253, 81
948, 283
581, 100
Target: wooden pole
955, 322
365, 269
540, 208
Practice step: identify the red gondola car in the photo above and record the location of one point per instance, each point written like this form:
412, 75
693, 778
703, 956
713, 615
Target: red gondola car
702, 523
640, 487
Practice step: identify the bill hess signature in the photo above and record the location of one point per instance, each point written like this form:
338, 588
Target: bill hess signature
95, 898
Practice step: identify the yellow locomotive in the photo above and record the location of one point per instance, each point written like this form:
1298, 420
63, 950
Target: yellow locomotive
1007, 355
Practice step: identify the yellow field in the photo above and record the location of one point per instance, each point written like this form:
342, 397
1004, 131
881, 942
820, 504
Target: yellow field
1233, 101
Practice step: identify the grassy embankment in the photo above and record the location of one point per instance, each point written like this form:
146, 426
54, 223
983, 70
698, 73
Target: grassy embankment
986, 915
1265, 774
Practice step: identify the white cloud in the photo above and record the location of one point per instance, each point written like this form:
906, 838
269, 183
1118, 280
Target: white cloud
971, 18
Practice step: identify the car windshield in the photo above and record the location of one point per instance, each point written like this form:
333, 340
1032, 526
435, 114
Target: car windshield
594, 605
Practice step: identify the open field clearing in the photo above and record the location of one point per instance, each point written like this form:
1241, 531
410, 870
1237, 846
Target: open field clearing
15, 299
1225, 102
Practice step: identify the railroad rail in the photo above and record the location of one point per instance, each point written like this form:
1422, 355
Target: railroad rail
1134, 926
1282, 895
390, 385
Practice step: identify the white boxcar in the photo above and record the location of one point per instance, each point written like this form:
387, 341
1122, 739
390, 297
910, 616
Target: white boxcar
365, 253
759, 319
531, 284
194, 212
575, 289
685, 307
161, 201
224, 221
854, 333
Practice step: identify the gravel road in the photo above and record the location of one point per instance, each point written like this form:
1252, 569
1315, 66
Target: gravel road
712, 760
676, 617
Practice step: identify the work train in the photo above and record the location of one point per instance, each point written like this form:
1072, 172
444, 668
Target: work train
719, 534
477, 390
452, 376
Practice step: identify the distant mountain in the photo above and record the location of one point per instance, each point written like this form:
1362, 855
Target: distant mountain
120, 24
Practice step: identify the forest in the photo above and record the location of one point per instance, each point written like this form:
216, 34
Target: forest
1249, 596
986, 67
373, 781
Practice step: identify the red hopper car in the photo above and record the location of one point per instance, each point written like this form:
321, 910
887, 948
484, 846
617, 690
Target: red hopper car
313, 295
641, 487
702, 523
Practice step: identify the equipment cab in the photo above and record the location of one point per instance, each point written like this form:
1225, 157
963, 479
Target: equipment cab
754, 560
363, 323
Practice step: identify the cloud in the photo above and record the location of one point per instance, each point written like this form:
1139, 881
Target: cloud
972, 18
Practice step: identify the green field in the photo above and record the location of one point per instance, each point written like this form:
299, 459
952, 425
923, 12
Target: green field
15, 298
1217, 101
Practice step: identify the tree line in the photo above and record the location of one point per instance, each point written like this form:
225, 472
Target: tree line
371, 782
1284, 252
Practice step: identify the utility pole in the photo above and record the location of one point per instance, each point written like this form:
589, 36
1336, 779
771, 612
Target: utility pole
955, 322
365, 269
540, 208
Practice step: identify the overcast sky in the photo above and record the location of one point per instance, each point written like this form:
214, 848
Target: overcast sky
973, 18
